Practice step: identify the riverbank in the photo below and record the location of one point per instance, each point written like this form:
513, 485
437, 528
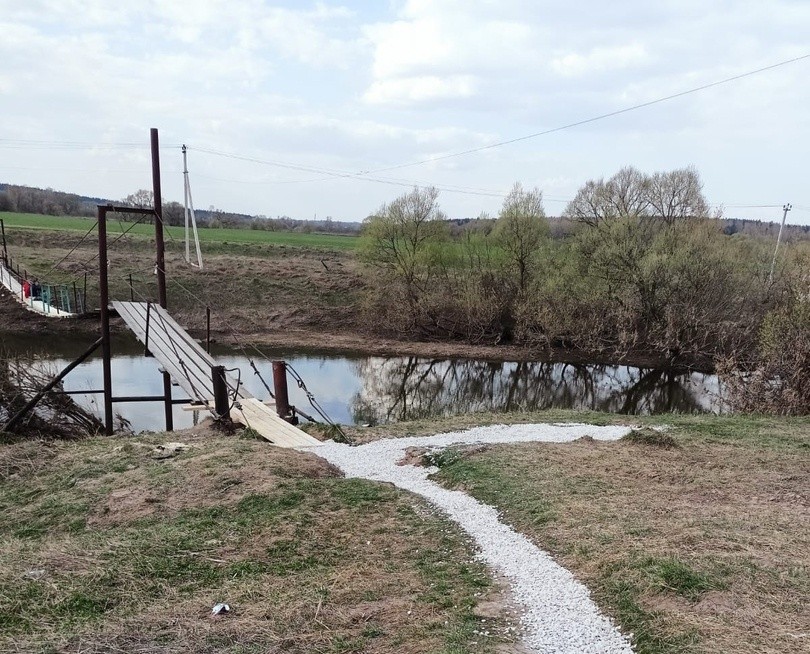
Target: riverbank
266, 294
695, 539
19, 323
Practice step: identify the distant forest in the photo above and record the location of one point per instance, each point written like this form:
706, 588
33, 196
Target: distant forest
28, 199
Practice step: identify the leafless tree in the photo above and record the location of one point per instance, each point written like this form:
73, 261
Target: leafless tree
677, 194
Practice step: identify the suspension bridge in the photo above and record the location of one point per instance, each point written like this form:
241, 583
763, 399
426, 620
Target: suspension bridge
183, 362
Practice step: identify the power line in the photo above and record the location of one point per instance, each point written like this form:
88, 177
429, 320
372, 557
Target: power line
72, 250
330, 173
588, 120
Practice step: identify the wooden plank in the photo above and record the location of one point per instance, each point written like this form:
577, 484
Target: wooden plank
264, 421
195, 379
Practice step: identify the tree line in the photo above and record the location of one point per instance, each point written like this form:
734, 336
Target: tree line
645, 269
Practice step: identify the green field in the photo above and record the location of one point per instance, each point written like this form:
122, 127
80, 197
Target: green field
72, 223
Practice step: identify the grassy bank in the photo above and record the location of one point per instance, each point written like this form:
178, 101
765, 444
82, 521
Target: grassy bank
254, 281
696, 539
105, 548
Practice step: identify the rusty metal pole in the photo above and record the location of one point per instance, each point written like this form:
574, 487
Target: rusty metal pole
221, 402
208, 329
160, 263
104, 312
5, 247
282, 396
160, 260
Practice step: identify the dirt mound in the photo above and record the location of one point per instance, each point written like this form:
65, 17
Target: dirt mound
212, 471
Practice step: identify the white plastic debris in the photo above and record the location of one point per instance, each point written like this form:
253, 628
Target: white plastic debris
168, 450
220, 609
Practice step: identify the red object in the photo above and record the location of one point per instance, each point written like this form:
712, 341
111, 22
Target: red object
26, 289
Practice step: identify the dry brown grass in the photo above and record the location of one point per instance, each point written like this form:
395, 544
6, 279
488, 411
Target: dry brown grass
702, 547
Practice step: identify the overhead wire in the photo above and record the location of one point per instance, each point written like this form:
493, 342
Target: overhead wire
72, 250
339, 174
85, 263
592, 119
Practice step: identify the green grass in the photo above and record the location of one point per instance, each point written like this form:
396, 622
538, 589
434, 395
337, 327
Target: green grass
211, 236
319, 563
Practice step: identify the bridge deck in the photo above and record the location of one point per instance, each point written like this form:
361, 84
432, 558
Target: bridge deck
189, 365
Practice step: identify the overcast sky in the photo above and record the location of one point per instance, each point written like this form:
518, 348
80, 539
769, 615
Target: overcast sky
353, 87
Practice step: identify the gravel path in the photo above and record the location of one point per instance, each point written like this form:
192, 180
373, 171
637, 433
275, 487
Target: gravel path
558, 616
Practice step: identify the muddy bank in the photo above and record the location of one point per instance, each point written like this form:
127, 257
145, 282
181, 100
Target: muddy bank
16, 321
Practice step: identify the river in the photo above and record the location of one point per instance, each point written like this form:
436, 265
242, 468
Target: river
361, 389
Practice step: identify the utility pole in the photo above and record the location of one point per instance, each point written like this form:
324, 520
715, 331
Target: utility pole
188, 206
185, 200
785, 208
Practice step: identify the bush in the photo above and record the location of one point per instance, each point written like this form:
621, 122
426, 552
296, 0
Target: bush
778, 381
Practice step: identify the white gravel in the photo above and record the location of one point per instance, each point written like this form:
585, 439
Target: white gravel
558, 615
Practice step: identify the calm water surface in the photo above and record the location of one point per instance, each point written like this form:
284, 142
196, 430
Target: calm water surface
359, 389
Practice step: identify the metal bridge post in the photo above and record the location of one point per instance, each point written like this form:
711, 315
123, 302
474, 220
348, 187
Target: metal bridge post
283, 408
221, 402
104, 313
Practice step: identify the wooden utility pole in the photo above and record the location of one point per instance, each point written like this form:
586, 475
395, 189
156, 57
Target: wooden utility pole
785, 208
160, 264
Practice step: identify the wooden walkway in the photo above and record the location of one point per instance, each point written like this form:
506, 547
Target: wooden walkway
189, 365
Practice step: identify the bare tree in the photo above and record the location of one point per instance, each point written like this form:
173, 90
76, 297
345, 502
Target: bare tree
624, 194
141, 198
677, 194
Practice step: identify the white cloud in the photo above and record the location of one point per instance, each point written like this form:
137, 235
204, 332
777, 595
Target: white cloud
366, 87
599, 60
426, 88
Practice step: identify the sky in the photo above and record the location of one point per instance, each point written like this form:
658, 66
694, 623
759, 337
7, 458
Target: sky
316, 109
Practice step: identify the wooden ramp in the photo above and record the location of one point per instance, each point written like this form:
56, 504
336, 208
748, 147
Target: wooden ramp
189, 365
264, 420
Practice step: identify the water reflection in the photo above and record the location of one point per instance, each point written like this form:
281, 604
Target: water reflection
395, 389
360, 389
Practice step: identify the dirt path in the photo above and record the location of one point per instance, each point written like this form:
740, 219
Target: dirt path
558, 615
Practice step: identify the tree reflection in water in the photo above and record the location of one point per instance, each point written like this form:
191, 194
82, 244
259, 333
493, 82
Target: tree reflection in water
408, 388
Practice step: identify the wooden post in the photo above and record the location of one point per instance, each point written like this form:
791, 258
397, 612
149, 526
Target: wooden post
131, 289
146, 337
208, 329
5, 247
